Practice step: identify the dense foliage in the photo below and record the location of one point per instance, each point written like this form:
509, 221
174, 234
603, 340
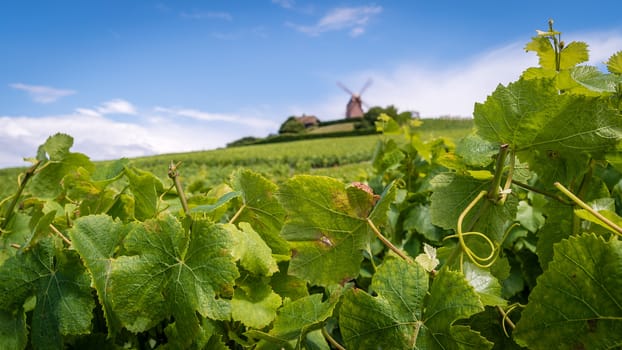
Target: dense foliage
507, 239
292, 126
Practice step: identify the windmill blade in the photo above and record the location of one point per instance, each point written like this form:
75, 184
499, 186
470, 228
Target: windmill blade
344, 88
367, 84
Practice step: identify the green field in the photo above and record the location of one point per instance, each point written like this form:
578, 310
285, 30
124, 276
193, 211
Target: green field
345, 158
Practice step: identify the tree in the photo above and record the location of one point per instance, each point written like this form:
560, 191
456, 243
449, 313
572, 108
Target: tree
292, 126
373, 113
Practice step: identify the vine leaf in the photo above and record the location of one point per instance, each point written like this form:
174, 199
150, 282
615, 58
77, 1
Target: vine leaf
531, 114
327, 226
570, 55
169, 272
485, 284
61, 286
427, 259
209, 337
286, 285
96, 238
614, 64
476, 151
262, 209
299, 317
577, 302
145, 187
13, 331
453, 192
254, 303
593, 79
254, 254
555, 133
488, 323
58, 161
558, 226
404, 317
516, 114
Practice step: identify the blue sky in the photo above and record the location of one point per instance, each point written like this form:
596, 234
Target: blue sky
131, 78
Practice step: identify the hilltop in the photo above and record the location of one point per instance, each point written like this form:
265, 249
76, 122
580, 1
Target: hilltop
306, 127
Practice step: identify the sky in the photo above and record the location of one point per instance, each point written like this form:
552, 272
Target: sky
141, 77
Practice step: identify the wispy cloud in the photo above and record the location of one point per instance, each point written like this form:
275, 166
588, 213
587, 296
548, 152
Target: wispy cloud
213, 117
285, 3
354, 19
225, 36
116, 106
42, 94
225, 16
601, 45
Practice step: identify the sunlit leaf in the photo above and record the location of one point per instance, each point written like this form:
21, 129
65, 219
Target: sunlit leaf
614, 64
262, 209
168, 272
327, 227
254, 303
96, 238
254, 254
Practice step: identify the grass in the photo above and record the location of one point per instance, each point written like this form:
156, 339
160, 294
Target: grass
332, 128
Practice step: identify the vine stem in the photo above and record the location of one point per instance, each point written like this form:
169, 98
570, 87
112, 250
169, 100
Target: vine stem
60, 234
506, 319
495, 185
174, 175
331, 340
237, 213
22, 184
617, 229
539, 191
388, 243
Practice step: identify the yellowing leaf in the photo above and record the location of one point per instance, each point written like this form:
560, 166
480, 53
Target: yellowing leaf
427, 259
614, 64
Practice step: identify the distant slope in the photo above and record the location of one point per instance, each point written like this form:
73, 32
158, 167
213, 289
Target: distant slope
203, 169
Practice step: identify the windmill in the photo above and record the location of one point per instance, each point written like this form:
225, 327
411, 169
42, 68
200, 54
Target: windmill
354, 108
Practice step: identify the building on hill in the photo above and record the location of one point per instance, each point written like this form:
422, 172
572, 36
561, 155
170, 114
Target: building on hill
308, 120
297, 125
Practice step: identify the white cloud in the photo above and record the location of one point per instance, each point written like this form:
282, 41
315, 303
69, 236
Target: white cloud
43, 94
87, 112
116, 106
162, 131
452, 89
601, 45
355, 19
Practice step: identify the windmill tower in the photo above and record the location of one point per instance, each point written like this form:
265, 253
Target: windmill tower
354, 108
